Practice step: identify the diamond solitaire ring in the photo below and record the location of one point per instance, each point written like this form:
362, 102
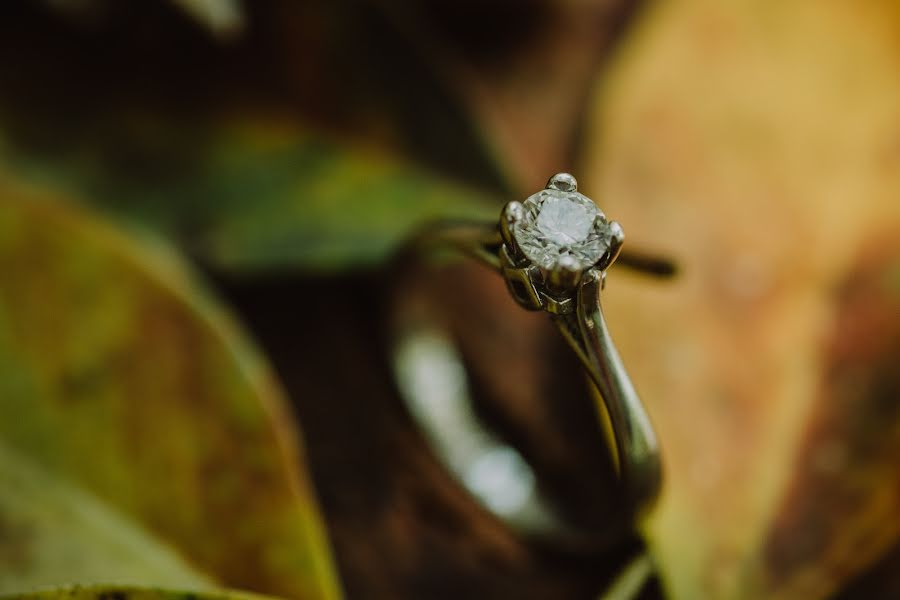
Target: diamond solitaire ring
553, 250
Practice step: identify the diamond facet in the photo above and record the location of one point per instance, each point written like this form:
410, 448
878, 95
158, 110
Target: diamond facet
561, 223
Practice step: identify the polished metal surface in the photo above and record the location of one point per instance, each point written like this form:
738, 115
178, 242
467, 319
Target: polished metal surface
570, 292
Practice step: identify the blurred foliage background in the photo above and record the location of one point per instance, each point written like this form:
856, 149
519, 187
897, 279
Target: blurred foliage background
199, 203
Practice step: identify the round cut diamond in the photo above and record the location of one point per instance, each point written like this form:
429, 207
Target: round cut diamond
562, 223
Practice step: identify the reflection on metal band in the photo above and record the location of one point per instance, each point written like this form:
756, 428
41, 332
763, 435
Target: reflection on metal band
434, 384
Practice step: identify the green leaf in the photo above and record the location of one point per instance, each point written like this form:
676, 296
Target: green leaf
245, 198
120, 374
301, 202
109, 592
223, 18
52, 532
217, 145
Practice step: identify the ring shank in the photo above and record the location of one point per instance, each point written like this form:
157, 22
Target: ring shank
586, 332
636, 442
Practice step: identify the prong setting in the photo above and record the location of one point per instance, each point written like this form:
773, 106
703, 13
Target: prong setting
563, 182
552, 241
564, 277
617, 237
513, 213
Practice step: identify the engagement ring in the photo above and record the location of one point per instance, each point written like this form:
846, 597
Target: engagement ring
553, 250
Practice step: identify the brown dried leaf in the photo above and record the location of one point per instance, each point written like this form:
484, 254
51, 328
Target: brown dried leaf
758, 144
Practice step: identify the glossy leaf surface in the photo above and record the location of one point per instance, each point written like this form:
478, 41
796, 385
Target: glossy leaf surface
119, 374
53, 533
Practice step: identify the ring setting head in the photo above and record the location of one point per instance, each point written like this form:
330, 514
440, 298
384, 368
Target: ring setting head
555, 236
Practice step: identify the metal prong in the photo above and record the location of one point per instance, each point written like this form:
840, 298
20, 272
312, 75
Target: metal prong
615, 245
562, 182
565, 276
512, 213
